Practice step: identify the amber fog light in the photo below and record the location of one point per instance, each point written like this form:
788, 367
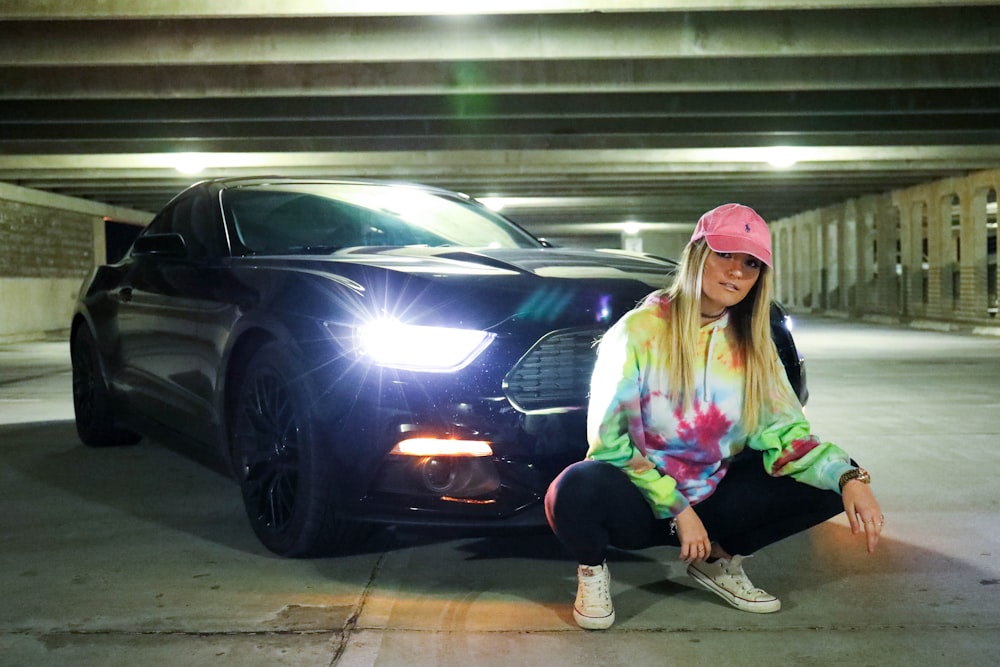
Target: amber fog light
439, 474
441, 447
445, 467
458, 477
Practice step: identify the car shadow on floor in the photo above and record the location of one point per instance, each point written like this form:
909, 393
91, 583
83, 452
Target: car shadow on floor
175, 483
169, 483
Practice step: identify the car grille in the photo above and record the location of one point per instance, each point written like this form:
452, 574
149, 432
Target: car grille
554, 375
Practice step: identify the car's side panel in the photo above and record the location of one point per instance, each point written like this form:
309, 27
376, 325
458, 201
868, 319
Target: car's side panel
152, 330
161, 306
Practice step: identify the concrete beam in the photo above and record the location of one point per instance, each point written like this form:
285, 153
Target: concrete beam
15, 193
595, 36
90, 9
661, 160
650, 75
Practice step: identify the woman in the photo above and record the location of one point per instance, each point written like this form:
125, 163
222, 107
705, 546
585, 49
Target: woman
696, 437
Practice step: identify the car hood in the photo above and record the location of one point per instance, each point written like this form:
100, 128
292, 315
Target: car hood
497, 289
542, 262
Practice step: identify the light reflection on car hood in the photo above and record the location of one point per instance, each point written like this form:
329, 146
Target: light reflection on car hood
544, 263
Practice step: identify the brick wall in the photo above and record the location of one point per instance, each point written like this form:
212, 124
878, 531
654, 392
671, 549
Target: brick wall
48, 245
39, 242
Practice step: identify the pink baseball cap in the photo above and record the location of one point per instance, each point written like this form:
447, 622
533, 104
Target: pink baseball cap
735, 228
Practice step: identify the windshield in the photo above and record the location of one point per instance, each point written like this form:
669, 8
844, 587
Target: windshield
326, 217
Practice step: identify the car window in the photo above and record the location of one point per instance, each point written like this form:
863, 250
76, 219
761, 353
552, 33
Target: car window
324, 218
193, 218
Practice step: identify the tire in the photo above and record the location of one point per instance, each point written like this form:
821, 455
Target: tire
284, 475
93, 405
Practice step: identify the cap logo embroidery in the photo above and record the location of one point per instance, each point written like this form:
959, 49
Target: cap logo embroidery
746, 228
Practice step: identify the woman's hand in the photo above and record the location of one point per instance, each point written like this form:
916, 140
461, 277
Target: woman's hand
863, 511
693, 537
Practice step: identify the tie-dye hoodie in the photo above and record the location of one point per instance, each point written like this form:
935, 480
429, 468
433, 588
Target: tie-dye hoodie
677, 458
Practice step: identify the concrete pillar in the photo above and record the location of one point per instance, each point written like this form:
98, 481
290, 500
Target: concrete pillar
974, 299
913, 226
849, 272
867, 242
812, 244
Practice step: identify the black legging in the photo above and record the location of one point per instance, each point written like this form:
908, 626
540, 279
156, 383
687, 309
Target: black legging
592, 505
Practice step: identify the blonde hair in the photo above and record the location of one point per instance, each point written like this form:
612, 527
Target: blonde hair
749, 330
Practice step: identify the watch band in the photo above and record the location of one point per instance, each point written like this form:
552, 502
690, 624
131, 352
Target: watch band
859, 474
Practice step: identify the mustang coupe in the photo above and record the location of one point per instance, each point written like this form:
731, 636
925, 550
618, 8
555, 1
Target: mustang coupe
357, 352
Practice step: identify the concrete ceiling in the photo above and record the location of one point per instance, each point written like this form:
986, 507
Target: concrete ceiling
581, 115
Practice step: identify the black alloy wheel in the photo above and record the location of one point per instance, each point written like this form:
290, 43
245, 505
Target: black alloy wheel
93, 405
282, 473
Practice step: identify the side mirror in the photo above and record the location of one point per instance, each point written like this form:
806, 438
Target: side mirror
159, 245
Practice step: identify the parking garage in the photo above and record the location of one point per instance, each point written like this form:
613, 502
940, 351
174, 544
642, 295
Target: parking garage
867, 134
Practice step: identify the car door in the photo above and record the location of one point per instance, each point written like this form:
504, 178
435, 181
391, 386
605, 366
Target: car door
164, 298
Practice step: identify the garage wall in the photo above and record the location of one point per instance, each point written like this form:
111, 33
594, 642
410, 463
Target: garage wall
48, 245
924, 255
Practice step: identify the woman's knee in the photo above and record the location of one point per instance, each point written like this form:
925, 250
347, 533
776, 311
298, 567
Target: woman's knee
579, 487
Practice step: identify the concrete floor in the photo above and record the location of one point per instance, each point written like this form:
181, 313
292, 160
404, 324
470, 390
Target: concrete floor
142, 555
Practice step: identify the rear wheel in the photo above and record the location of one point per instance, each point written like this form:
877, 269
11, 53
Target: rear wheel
93, 405
285, 477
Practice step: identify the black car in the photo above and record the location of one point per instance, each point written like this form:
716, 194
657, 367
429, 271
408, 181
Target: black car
359, 352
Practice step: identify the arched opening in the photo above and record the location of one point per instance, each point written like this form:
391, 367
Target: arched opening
897, 229
868, 240
850, 254
925, 260
991, 253
787, 255
955, 259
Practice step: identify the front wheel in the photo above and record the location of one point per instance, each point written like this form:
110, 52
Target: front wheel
93, 405
285, 476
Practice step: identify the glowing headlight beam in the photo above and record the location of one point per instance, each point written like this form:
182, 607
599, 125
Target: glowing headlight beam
393, 344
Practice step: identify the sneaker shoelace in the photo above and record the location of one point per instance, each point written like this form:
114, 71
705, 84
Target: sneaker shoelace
593, 591
733, 570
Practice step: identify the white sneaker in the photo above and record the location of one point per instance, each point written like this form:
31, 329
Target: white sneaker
593, 609
726, 579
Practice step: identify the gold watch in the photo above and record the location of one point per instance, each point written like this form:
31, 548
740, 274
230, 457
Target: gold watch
859, 474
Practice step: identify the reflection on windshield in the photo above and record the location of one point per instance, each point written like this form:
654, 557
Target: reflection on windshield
322, 218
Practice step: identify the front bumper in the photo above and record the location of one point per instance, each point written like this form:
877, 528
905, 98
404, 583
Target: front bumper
500, 401
528, 451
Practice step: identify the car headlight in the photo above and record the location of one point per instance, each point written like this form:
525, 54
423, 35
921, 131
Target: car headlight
391, 343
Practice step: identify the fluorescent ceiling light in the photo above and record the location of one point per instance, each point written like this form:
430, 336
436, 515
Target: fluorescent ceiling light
189, 163
782, 157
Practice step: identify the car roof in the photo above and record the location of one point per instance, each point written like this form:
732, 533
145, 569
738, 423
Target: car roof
251, 181
233, 182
